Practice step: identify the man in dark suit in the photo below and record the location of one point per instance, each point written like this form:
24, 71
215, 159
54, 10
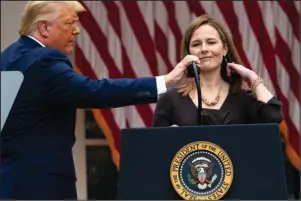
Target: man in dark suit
37, 139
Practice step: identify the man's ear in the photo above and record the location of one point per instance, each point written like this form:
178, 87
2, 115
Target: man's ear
43, 29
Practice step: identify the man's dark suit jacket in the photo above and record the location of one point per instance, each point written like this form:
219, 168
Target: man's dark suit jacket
37, 139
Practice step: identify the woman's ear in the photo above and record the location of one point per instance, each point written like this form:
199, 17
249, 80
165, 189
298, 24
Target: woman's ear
225, 49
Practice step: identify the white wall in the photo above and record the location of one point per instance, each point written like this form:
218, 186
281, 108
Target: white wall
10, 20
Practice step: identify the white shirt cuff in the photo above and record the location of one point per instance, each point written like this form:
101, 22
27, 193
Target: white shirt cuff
161, 86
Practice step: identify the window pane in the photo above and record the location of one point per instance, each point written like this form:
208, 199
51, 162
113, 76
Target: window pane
101, 173
93, 131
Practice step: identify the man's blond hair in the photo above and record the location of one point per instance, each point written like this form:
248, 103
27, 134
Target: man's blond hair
36, 11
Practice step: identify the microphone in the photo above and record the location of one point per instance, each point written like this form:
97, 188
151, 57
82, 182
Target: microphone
194, 71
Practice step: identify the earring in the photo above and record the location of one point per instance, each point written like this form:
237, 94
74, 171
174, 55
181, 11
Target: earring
225, 58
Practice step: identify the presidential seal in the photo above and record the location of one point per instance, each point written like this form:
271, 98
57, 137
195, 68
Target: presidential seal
201, 171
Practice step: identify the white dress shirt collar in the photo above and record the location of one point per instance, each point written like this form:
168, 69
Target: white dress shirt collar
36, 40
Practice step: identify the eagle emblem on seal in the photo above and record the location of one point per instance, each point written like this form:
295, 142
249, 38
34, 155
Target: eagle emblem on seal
201, 173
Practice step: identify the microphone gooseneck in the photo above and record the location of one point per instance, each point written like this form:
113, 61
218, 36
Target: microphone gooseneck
194, 71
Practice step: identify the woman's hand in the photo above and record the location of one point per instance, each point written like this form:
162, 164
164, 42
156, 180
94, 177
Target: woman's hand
262, 93
244, 72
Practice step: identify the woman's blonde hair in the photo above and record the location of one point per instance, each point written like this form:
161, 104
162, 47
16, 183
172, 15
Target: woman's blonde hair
232, 54
36, 11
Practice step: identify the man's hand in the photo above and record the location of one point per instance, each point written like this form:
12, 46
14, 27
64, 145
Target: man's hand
177, 76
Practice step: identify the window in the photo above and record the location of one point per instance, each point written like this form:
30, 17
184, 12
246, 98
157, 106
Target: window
101, 171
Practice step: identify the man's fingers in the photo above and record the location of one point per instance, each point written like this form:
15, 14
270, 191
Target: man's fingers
190, 79
191, 58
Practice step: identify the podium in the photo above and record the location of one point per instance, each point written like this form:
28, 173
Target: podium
241, 162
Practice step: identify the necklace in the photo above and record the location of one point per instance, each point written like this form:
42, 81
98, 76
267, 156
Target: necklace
211, 103
215, 101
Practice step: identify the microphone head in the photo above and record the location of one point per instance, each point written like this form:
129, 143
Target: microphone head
190, 70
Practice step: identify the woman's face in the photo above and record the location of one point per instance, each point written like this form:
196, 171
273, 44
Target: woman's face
206, 44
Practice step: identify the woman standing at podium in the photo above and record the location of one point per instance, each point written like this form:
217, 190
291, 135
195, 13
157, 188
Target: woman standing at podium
224, 99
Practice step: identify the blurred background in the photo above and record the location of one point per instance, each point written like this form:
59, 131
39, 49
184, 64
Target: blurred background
142, 38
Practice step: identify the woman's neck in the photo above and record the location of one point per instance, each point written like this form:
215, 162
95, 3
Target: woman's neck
211, 81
